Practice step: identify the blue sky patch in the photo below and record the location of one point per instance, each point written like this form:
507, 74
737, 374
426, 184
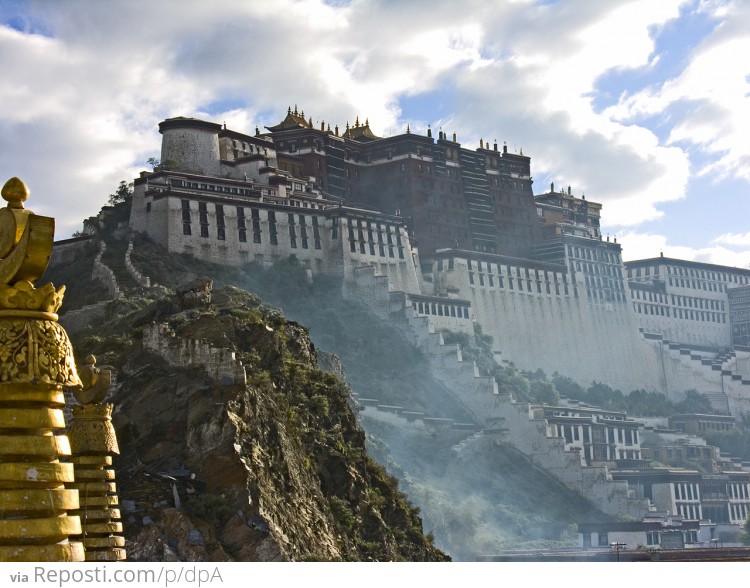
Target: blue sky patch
674, 44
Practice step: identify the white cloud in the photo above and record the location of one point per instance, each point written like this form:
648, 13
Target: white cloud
742, 239
709, 100
637, 245
82, 103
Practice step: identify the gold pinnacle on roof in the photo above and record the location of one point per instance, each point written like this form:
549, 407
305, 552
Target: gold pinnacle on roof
36, 361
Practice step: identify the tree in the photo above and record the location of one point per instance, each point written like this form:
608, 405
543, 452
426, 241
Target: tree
568, 388
604, 396
544, 392
694, 403
643, 403
167, 164
124, 193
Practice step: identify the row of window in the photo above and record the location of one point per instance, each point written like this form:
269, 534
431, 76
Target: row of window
588, 254
686, 491
737, 491
248, 147
212, 187
610, 435
679, 313
368, 236
691, 512
738, 512
518, 284
697, 285
685, 272
441, 309
303, 231
297, 224
597, 269
677, 300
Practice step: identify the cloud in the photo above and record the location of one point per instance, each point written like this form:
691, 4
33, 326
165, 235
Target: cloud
706, 101
741, 239
637, 245
84, 85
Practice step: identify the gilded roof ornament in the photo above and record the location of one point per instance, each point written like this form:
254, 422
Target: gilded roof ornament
25, 238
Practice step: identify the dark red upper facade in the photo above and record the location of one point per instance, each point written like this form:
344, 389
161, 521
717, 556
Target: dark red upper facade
450, 196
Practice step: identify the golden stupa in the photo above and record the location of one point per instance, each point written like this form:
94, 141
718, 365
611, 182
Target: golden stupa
36, 362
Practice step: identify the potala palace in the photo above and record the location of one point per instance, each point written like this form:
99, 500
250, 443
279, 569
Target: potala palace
455, 235
435, 237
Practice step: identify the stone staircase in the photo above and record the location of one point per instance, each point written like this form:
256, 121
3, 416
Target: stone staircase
114, 259
726, 373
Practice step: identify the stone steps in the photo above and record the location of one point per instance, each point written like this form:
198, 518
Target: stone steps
114, 258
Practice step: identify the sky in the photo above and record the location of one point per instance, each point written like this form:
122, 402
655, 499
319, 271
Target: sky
642, 105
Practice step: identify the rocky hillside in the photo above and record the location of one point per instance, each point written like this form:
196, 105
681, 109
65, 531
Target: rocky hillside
215, 468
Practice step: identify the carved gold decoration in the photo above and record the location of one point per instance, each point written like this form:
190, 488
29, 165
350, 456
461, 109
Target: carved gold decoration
36, 361
23, 296
36, 351
91, 430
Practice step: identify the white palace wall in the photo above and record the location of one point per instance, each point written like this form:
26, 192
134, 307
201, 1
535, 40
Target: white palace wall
587, 340
319, 238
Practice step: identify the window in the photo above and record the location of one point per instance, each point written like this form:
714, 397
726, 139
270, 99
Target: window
272, 228
220, 226
316, 232
603, 540
241, 227
186, 229
292, 232
303, 230
255, 214
203, 217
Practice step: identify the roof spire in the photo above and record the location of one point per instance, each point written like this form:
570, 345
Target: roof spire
408, 129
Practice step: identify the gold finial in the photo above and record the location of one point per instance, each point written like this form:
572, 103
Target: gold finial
15, 192
95, 382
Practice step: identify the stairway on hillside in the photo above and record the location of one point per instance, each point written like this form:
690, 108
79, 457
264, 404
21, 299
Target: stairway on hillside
114, 259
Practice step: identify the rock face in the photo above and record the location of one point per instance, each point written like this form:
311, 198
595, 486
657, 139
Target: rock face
271, 469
